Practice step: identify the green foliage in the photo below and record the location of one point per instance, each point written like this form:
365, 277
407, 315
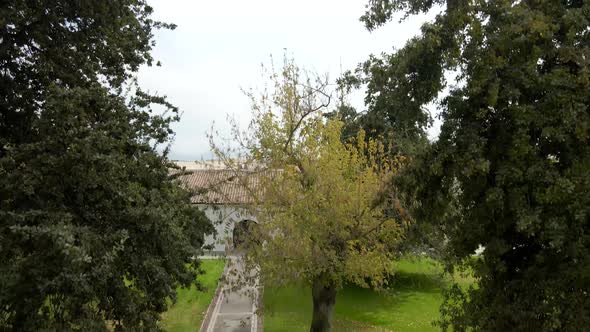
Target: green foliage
400, 85
350, 118
510, 168
69, 44
323, 215
93, 232
390, 113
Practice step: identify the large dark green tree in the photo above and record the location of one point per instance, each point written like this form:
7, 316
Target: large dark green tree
510, 170
94, 234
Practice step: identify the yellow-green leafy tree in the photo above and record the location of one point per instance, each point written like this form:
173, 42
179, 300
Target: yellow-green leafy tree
323, 216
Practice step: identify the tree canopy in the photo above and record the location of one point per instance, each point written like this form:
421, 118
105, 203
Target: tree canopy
509, 171
94, 234
321, 218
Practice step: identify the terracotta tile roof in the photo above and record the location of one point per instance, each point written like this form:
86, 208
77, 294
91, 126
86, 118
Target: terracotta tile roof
221, 186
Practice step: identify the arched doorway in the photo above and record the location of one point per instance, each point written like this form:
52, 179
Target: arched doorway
240, 233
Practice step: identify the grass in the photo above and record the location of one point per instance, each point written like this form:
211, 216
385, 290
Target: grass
190, 308
411, 304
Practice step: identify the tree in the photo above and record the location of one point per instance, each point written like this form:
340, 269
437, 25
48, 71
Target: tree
349, 117
94, 233
396, 103
510, 168
321, 218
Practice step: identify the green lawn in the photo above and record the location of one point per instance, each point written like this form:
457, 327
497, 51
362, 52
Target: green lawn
411, 304
188, 312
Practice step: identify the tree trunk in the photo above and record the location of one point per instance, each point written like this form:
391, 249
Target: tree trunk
324, 299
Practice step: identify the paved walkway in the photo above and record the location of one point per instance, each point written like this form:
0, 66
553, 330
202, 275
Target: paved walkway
235, 310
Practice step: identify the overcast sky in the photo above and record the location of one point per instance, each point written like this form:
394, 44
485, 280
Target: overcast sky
219, 46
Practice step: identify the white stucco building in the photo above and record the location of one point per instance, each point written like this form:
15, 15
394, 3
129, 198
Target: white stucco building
225, 200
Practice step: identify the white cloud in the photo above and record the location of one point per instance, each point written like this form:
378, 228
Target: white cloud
219, 45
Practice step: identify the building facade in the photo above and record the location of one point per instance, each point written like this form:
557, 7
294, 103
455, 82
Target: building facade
225, 199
